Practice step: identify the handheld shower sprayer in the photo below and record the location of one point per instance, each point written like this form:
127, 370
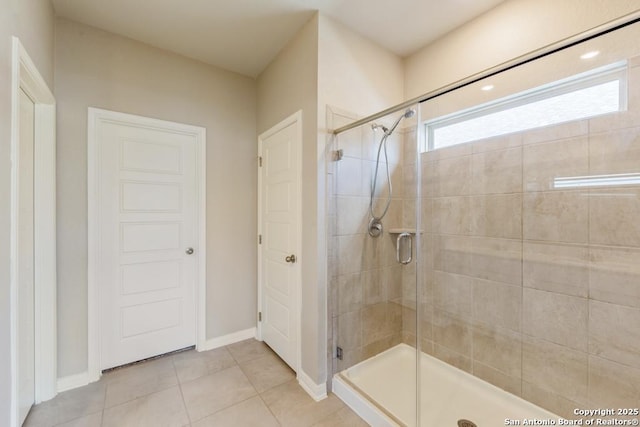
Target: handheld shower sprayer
375, 224
407, 115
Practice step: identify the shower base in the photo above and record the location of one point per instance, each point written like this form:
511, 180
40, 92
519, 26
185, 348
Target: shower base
382, 391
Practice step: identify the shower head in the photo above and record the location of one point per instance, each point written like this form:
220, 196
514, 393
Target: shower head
407, 114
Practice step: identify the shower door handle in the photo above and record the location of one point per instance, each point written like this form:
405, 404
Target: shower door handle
403, 237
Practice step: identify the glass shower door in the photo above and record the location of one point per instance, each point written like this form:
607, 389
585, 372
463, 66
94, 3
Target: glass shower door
373, 187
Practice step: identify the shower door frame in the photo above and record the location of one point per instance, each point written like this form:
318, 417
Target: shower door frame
407, 223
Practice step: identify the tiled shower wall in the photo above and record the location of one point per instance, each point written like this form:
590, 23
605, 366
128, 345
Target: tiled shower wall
532, 288
365, 280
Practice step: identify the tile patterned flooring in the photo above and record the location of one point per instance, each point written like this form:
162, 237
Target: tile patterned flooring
243, 384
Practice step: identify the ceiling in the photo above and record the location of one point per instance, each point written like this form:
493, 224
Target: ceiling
245, 35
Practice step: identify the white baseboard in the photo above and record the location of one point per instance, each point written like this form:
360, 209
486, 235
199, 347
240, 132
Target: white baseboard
84, 378
316, 391
235, 337
75, 381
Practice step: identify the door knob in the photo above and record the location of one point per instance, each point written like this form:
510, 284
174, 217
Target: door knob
189, 251
291, 258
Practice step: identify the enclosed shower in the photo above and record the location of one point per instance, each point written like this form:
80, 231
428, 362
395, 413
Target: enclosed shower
485, 245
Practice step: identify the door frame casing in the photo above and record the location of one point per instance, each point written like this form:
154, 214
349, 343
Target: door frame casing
96, 115
296, 119
26, 77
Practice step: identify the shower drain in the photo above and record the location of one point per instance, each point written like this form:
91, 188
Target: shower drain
466, 423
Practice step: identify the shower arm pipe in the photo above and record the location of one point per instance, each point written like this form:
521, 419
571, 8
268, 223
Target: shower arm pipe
607, 27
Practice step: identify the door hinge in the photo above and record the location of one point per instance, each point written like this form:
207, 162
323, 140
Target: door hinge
339, 353
260, 161
259, 239
259, 316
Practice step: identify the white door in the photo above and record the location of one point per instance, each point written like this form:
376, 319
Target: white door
146, 239
25, 252
280, 230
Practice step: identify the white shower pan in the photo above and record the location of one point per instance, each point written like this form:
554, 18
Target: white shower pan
447, 394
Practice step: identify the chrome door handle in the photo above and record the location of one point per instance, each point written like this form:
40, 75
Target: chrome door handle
291, 258
401, 238
189, 251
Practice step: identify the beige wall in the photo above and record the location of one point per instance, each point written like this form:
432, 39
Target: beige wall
356, 74
513, 28
32, 21
99, 69
287, 85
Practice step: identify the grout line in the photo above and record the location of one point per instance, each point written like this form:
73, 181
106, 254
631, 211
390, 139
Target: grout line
104, 401
184, 402
71, 420
269, 409
225, 408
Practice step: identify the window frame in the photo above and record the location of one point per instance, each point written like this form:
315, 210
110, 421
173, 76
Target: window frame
613, 72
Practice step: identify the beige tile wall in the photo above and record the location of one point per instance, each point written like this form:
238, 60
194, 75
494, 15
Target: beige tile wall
534, 289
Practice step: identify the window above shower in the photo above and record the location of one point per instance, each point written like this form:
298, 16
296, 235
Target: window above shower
581, 96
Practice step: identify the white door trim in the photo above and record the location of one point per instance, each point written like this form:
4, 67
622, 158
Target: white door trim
25, 76
96, 115
295, 118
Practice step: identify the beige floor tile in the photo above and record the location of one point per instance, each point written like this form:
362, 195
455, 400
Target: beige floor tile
293, 407
68, 406
193, 364
267, 372
251, 412
250, 349
163, 363
139, 380
162, 409
209, 394
218, 396
344, 417
93, 420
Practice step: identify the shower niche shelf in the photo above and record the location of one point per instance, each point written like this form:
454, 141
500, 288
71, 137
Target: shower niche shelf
404, 230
